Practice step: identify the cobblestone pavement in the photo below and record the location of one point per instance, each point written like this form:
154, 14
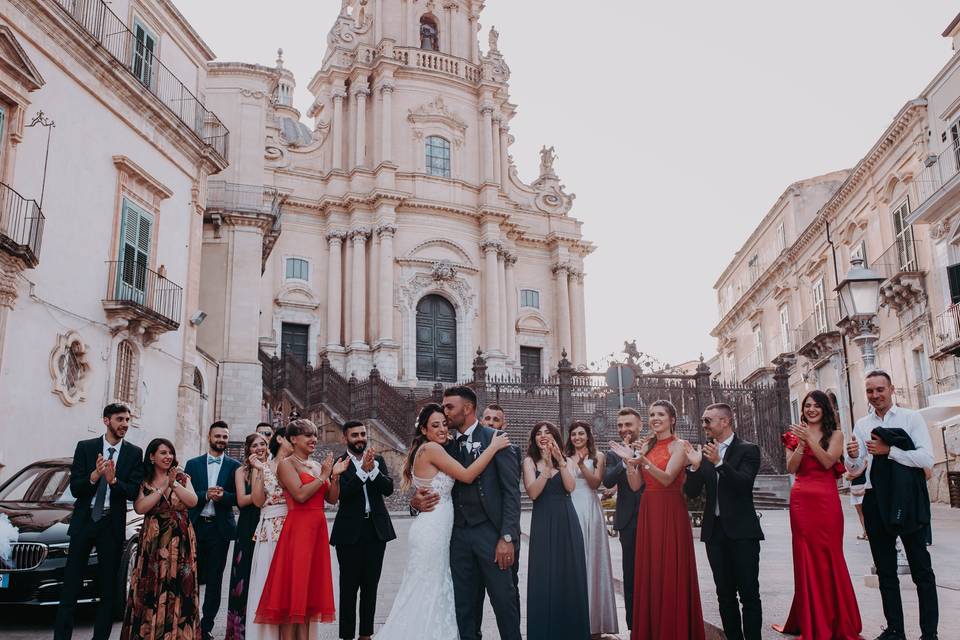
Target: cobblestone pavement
776, 582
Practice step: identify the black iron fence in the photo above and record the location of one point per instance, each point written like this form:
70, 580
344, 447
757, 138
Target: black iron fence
762, 411
131, 283
21, 225
137, 54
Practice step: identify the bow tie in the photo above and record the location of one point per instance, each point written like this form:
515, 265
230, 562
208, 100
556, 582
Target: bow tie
212, 460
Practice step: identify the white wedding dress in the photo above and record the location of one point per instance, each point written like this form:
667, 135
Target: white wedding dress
424, 607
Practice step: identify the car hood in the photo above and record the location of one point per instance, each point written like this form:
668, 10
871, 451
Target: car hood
33, 518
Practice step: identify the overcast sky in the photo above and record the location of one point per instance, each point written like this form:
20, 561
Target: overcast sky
677, 124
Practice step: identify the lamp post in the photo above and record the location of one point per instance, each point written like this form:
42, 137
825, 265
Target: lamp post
860, 295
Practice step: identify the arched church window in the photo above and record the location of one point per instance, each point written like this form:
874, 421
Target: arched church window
438, 157
429, 34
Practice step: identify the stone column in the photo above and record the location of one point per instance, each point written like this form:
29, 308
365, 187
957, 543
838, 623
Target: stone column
502, 304
358, 306
454, 47
491, 295
360, 92
373, 291
334, 288
474, 30
9, 268
578, 328
385, 281
486, 144
338, 125
510, 337
504, 156
446, 44
562, 295
386, 125
347, 291
495, 151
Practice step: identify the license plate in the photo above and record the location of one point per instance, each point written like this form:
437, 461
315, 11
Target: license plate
4, 580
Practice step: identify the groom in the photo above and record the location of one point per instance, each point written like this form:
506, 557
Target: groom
486, 523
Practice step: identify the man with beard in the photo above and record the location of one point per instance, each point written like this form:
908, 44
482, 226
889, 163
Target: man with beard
106, 472
629, 424
213, 480
361, 530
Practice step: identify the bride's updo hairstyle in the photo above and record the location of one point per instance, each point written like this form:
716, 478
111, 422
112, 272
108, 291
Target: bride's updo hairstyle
419, 438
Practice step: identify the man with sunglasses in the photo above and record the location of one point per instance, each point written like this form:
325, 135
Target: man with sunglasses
727, 467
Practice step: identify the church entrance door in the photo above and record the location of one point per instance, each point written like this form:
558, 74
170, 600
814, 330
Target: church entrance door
436, 340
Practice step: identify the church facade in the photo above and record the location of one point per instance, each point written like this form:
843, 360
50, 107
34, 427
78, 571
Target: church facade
393, 231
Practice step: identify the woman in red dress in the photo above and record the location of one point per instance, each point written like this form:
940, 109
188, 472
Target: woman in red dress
666, 592
299, 587
824, 604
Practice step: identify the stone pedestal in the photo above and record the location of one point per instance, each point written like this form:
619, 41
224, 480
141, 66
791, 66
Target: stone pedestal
241, 393
386, 355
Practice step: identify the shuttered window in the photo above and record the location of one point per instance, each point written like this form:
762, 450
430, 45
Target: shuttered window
136, 233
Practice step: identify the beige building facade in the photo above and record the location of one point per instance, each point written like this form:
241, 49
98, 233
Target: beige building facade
105, 149
393, 230
896, 209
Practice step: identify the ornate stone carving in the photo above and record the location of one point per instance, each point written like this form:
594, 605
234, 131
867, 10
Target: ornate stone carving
493, 39
69, 368
336, 236
491, 245
550, 195
443, 270
386, 229
437, 112
509, 259
458, 288
561, 266
360, 234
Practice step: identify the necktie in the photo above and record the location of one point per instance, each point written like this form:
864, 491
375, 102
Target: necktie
101, 499
721, 449
464, 446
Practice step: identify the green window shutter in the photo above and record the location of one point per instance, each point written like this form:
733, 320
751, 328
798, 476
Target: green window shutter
136, 231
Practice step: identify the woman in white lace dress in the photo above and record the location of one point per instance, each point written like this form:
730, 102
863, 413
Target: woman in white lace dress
268, 495
587, 467
423, 607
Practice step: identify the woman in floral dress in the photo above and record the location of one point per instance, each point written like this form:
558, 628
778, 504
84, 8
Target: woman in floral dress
164, 593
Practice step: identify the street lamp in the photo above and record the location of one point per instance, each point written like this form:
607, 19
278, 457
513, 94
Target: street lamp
860, 295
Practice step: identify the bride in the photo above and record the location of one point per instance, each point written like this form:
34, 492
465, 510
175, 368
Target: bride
424, 605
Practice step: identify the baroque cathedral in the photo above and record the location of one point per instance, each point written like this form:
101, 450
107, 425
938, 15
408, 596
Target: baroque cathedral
392, 230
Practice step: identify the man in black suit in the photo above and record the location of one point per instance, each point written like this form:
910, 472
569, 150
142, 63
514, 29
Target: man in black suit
727, 467
361, 530
629, 425
106, 472
486, 522
213, 521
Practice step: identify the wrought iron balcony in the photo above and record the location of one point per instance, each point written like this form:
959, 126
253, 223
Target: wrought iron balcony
21, 226
900, 265
138, 58
946, 332
141, 300
938, 185
818, 335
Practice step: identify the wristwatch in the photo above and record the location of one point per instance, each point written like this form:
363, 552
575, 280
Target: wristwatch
507, 538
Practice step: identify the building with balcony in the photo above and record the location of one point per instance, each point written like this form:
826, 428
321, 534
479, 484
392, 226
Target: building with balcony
897, 209
407, 240
105, 150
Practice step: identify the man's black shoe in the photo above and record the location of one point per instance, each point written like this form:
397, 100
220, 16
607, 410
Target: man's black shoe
891, 634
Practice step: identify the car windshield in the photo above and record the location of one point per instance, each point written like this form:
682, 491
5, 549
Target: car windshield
39, 483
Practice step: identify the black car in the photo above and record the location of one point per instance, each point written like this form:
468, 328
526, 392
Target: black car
38, 502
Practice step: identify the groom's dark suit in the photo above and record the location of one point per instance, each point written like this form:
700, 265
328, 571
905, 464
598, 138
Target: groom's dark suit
485, 512
731, 531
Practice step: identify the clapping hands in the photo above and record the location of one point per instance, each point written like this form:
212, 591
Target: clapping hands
369, 459
341, 466
694, 454
711, 451
105, 468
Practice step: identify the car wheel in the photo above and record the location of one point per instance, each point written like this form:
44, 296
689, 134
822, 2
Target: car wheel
127, 563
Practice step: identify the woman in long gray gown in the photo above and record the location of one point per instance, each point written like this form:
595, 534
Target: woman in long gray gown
587, 467
557, 604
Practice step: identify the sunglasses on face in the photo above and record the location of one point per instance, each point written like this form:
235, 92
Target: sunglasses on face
706, 421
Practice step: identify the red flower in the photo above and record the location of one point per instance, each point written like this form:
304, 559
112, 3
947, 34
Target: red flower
790, 441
